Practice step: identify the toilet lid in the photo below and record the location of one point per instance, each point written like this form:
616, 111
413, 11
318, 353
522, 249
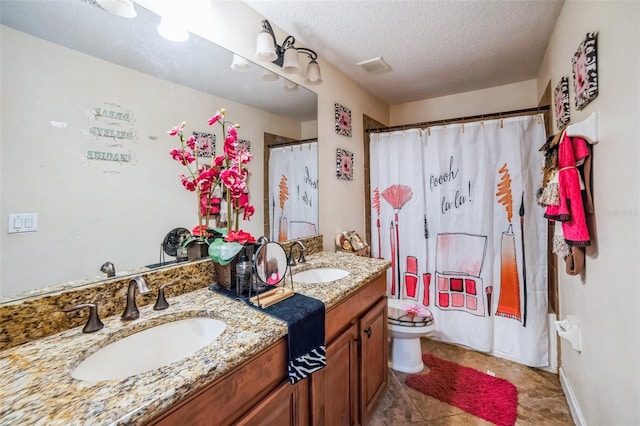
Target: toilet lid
397, 314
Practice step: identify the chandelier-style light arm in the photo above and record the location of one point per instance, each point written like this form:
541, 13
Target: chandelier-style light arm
268, 49
310, 53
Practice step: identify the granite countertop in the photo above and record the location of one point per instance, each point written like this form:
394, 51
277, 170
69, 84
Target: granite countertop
37, 388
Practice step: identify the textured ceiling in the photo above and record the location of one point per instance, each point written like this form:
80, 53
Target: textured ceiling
435, 48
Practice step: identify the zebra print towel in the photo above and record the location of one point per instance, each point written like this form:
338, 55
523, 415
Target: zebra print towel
305, 320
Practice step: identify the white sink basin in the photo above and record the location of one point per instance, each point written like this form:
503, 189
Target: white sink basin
319, 275
149, 349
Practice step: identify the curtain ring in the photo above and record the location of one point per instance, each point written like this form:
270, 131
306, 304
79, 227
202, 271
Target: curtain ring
501, 123
462, 126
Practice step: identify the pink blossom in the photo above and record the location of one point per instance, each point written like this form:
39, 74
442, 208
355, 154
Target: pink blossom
189, 184
199, 231
177, 129
210, 204
240, 236
191, 142
243, 156
233, 181
216, 117
208, 174
233, 132
248, 211
183, 156
219, 161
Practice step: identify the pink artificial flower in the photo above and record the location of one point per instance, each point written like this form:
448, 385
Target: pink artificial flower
240, 236
219, 161
216, 117
191, 142
230, 148
243, 156
213, 208
182, 156
248, 211
233, 132
189, 184
233, 181
208, 174
199, 231
177, 129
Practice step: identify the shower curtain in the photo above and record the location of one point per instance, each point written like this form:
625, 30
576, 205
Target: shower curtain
454, 210
293, 191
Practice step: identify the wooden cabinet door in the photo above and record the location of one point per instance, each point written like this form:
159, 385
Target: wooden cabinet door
334, 389
287, 405
374, 357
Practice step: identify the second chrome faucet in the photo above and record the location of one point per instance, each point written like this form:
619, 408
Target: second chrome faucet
131, 311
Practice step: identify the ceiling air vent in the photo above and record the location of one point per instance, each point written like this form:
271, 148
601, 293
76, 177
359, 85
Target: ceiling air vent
375, 65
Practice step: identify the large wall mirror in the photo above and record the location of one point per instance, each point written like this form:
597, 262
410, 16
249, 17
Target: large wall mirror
87, 99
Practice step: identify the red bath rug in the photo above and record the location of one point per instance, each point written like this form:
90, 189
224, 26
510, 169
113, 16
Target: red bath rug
490, 398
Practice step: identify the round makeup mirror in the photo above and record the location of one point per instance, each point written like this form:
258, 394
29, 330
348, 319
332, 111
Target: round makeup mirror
271, 263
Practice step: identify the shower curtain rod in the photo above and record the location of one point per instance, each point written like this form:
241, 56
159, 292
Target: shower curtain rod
291, 143
504, 114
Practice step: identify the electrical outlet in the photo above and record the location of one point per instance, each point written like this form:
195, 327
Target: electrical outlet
23, 222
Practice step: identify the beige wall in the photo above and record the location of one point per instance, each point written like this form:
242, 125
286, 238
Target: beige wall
604, 380
495, 99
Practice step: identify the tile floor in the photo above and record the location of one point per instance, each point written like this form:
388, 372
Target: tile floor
541, 401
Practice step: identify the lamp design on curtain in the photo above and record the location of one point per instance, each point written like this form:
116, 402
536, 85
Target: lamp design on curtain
509, 299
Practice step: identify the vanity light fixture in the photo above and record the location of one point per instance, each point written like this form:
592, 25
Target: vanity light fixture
286, 55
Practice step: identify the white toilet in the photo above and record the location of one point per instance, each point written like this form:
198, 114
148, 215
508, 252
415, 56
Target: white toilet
406, 353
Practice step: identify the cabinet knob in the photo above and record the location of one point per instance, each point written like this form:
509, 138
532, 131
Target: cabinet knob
367, 331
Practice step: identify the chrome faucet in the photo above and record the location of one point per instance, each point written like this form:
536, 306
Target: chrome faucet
109, 269
301, 259
131, 311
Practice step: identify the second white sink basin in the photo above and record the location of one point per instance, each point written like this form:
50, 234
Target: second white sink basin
149, 349
320, 275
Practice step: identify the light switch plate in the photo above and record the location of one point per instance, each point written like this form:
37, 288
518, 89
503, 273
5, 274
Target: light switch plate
22, 222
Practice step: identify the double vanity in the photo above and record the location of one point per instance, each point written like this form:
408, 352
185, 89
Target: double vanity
238, 376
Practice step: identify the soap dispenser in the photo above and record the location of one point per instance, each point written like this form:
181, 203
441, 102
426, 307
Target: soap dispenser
243, 274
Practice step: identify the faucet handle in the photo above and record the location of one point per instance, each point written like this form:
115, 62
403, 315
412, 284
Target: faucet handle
109, 269
162, 303
93, 323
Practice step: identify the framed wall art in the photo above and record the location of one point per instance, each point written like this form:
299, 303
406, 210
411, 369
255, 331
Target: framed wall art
245, 143
206, 143
343, 120
561, 100
344, 164
585, 72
